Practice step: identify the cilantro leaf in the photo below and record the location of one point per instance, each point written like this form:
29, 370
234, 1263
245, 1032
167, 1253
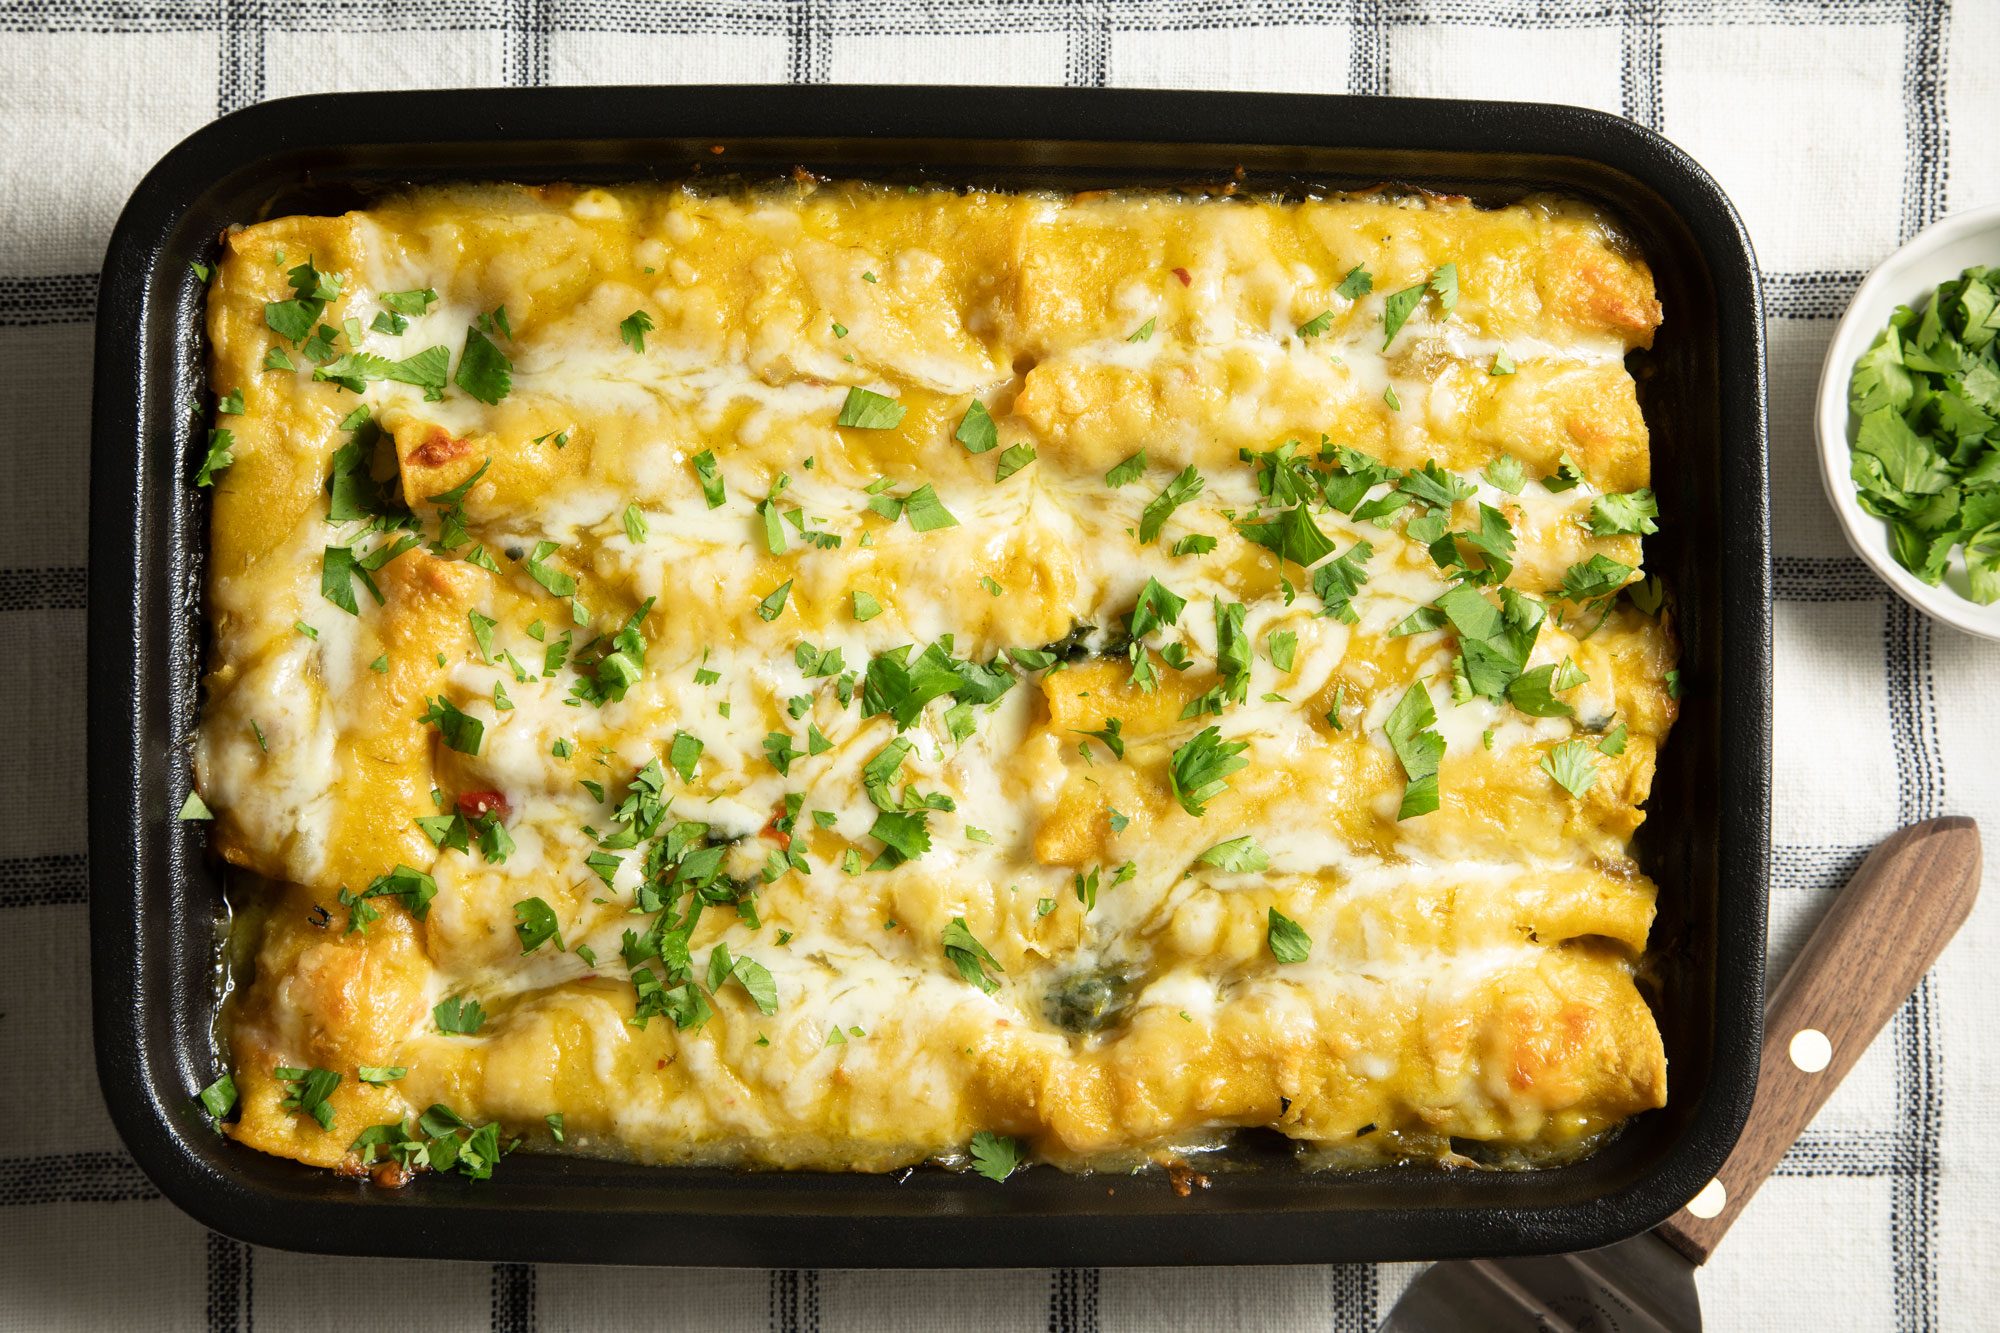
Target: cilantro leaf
1357, 284
483, 369
926, 513
459, 1016
969, 956
632, 330
1444, 283
1287, 938
461, 731
1127, 472
1396, 311
711, 480
535, 923
1292, 536
1012, 460
866, 410
773, 604
1183, 488
976, 430
1336, 582
1317, 326
1157, 606
1236, 856
903, 835
1571, 766
1419, 749
1199, 768
218, 1098
1631, 512
307, 1090
221, 454
995, 1156
1599, 576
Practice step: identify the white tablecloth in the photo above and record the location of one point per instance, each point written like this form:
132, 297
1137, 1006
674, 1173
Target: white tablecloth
1839, 127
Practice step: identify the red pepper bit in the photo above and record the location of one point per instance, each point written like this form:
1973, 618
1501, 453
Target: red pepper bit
772, 830
476, 804
1182, 274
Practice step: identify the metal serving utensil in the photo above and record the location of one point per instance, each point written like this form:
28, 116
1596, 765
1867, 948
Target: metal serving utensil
1882, 934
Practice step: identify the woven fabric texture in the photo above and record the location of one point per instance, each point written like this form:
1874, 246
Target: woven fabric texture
1840, 128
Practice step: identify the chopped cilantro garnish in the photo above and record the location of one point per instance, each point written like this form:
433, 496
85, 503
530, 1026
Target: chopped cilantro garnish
1112, 733
1292, 535
1143, 333
773, 605
1194, 544
461, 731
414, 302
194, 808
636, 527
1288, 940
632, 330
903, 836
1614, 741
1417, 748
1632, 512
866, 410
221, 453
1396, 311
307, 1090
1926, 395
711, 480
1012, 460
1200, 766
1357, 284
1127, 472
1507, 474
995, 1156
426, 370
1183, 488
1236, 856
1571, 766
1444, 284
1337, 581
1317, 325
1157, 606
1283, 646
1599, 576
926, 512
535, 923
458, 1016
1503, 364
483, 369
976, 430
969, 956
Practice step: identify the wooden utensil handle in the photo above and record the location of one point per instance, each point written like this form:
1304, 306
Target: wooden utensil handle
1878, 939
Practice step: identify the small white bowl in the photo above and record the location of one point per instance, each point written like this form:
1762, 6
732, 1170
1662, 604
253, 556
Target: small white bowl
1939, 253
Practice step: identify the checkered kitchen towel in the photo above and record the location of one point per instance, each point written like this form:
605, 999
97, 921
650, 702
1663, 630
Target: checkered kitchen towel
1840, 127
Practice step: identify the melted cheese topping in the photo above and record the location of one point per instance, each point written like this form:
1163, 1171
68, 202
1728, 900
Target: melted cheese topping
1470, 972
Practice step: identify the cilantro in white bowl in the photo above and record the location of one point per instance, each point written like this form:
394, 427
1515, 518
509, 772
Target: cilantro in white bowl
1908, 419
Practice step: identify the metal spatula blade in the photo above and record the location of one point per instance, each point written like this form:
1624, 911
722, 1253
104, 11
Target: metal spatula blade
1642, 1285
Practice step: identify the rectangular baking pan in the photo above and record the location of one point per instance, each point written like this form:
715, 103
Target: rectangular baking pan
156, 899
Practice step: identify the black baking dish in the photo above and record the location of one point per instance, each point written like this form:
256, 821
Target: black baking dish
155, 899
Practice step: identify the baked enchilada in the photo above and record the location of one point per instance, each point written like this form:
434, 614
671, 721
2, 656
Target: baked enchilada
839, 676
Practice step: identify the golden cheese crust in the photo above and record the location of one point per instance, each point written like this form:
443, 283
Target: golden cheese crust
807, 675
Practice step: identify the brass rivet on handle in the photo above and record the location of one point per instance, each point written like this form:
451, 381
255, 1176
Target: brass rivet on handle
1810, 1050
1710, 1201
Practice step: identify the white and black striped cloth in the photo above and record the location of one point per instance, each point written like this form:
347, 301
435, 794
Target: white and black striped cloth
1840, 127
